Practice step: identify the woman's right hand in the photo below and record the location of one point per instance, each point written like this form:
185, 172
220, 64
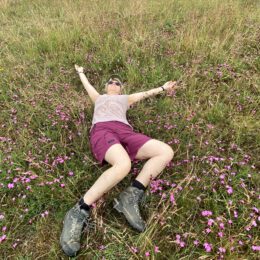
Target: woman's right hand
169, 85
79, 69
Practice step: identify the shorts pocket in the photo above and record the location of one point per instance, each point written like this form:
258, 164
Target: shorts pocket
95, 140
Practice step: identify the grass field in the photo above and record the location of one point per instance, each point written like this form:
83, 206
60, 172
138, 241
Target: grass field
205, 204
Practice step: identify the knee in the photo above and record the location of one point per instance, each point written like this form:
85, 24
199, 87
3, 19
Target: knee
124, 167
168, 153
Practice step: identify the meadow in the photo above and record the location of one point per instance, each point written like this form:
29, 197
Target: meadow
205, 204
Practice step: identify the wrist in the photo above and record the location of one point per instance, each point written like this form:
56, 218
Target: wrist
163, 88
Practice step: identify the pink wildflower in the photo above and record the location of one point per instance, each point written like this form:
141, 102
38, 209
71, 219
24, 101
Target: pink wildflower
10, 185
210, 222
182, 244
207, 247
229, 189
220, 234
222, 250
156, 249
196, 242
147, 253
102, 247
134, 249
256, 209
2, 238
172, 199
208, 230
206, 213
256, 248
221, 225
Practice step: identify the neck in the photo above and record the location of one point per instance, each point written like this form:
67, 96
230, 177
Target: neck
113, 94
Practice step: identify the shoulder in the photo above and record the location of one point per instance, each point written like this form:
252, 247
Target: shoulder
95, 98
127, 100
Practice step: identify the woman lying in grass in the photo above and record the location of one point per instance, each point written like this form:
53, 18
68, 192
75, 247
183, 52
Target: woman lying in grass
114, 141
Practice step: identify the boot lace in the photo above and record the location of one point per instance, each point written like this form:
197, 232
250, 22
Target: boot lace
78, 224
134, 200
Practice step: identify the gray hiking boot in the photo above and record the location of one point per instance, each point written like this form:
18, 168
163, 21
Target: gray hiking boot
127, 203
75, 221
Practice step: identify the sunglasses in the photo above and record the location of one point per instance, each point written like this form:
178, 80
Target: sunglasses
111, 82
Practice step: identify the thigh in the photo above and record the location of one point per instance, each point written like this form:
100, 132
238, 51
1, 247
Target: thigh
101, 141
117, 154
152, 148
132, 141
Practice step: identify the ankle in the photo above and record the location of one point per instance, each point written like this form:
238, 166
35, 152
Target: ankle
138, 185
84, 205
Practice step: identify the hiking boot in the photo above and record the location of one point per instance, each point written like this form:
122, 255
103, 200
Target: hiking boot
127, 203
74, 222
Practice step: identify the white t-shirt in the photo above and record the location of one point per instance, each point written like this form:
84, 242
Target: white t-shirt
110, 108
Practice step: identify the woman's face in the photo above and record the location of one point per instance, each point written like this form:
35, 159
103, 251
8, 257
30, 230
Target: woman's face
113, 87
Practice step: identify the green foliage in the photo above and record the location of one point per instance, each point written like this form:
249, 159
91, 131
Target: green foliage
212, 122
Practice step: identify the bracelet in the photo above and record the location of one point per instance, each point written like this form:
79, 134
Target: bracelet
80, 72
162, 87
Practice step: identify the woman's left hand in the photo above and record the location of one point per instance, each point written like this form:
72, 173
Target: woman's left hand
169, 85
79, 69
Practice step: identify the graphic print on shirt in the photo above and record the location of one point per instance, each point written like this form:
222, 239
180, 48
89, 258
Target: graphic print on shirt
109, 107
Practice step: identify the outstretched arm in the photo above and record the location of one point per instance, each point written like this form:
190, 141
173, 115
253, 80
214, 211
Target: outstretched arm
142, 95
93, 94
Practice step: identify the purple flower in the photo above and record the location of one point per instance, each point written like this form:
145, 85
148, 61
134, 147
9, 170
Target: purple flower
182, 244
208, 230
71, 173
206, 213
172, 199
134, 249
229, 189
10, 185
220, 234
210, 222
207, 247
222, 250
196, 242
102, 247
221, 225
256, 248
2, 238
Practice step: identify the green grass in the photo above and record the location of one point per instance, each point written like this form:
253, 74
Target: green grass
210, 47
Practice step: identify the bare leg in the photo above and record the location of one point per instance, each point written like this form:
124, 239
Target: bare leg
152, 168
160, 155
117, 156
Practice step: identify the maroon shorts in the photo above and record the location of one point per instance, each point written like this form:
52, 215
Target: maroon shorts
105, 134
